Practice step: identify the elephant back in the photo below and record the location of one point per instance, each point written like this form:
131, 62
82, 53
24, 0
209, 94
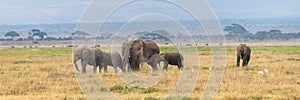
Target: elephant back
172, 57
150, 48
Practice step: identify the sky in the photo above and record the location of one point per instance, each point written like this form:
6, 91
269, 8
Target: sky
70, 11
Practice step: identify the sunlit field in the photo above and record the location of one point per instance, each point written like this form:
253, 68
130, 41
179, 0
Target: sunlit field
47, 73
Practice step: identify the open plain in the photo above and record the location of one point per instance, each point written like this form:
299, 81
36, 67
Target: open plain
47, 73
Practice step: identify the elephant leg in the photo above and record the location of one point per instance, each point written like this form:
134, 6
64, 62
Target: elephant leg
100, 68
83, 64
165, 67
116, 69
138, 63
129, 69
248, 59
122, 68
244, 61
238, 60
105, 68
153, 65
95, 69
180, 66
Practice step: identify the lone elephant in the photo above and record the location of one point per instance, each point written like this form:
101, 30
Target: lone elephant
139, 51
112, 59
243, 52
88, 56
172, 58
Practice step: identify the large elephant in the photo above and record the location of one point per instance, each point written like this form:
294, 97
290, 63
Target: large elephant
88, 56
139, 51
243, 52
112, 59
172, 58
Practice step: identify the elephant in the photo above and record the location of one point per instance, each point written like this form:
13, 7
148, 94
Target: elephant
88, 56
154, 60
125, 54
172, 58
112, 59
138, 51
243, 52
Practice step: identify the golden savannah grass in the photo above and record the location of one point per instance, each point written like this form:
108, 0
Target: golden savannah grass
47, 73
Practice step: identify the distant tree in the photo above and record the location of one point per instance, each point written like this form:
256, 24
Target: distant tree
237, 31
262, 35
276, 34
12, 34
41, 35
35, 31
38, 33
80, 34
139, 34
153, 36
271, 35
162, 32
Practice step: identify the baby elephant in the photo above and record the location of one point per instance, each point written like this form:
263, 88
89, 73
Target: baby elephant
154, 60
112, 59
168, 58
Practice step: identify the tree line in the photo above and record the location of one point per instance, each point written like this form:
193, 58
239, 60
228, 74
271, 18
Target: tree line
234, 32
237, 32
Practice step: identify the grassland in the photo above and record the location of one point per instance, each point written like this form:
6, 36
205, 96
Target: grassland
47, 73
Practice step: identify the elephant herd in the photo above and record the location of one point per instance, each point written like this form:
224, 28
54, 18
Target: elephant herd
96, 58
137, 51
133, 54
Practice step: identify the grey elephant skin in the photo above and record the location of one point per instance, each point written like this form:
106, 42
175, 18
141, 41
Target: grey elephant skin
125, 53
138, 51
88, 56
244, 53
154, 60
172, 58
112, 59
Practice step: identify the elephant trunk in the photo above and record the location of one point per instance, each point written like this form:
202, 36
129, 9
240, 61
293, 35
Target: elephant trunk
134, 63
75, 64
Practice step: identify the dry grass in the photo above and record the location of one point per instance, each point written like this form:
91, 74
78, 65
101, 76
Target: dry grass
47, 73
